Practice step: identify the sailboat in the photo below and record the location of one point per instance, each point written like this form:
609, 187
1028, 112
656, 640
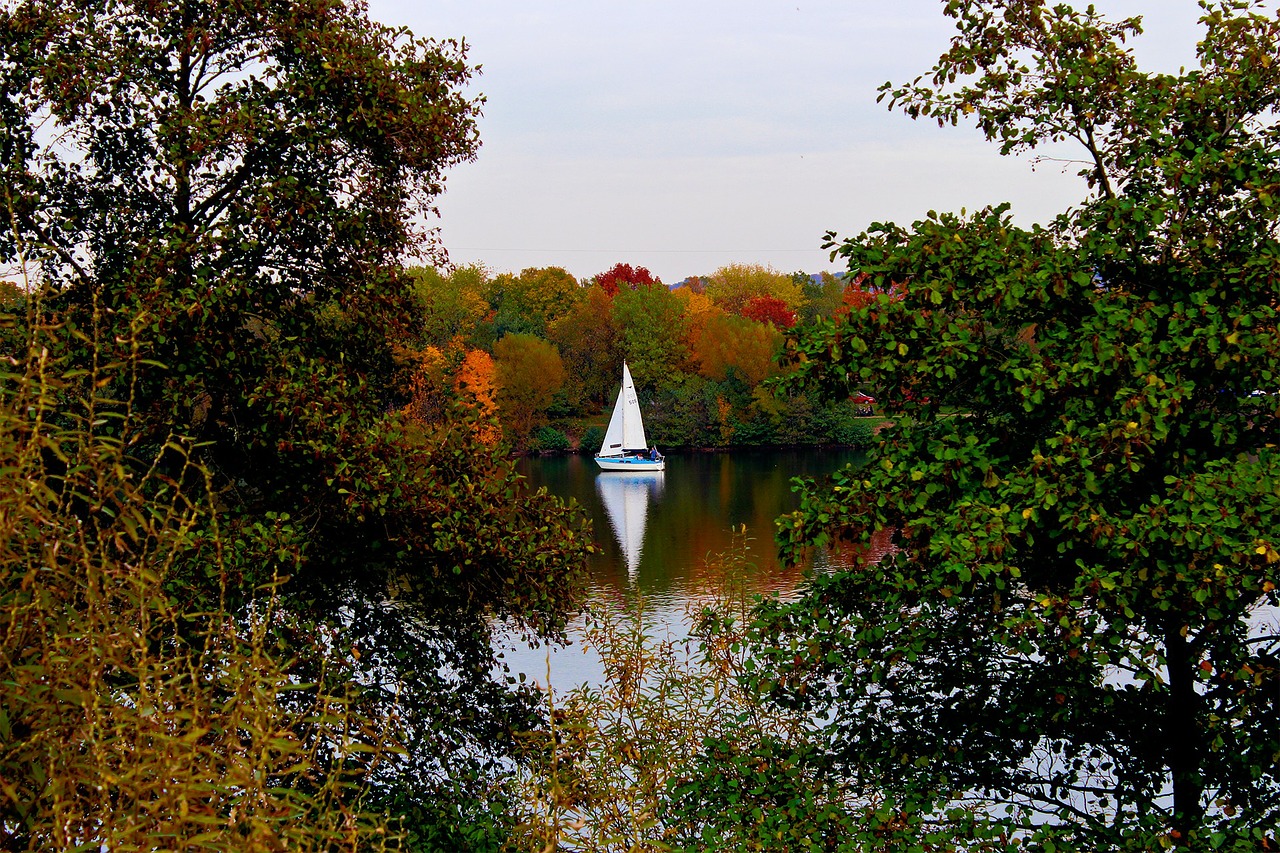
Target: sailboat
625, 447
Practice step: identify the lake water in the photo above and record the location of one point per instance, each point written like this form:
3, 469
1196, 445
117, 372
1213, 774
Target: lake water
659, 533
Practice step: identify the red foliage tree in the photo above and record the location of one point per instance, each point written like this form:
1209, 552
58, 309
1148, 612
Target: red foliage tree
625, 274
769, 309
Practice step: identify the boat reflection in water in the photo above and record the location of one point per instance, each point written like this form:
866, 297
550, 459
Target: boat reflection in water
626, 498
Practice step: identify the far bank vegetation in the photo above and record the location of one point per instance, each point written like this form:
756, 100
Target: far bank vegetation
538, 354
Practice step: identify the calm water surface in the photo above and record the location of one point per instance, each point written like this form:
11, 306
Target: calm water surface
657, 532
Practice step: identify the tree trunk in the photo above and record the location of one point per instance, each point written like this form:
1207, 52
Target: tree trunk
1183, 734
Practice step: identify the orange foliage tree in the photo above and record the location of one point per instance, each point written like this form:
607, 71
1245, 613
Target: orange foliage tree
475, 385
731, 342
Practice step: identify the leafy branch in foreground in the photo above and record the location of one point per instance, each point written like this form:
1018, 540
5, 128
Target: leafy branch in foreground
1075, 636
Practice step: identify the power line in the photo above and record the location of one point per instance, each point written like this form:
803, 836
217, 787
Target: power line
634, 251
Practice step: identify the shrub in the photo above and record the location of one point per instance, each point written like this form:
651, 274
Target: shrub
591, 441
838, 423
549, 440
680, 747
129, 719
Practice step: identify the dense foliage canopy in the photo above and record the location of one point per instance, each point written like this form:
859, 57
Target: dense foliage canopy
216, 198
1079, 621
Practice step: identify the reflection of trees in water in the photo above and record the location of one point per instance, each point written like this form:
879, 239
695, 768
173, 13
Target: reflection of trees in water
846, 555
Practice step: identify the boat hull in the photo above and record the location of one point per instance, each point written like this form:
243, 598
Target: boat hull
630, 463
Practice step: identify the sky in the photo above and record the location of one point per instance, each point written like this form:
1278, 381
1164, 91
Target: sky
685, 135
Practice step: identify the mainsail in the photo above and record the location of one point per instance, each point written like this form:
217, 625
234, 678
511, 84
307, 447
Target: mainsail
626, 429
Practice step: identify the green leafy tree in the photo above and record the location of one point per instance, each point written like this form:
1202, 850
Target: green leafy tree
530, 302
225, 206
529, 372
450, 306
1070, 626
652, 326
821, 295
685, 415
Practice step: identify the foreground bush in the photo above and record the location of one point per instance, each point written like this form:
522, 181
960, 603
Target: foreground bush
128, 721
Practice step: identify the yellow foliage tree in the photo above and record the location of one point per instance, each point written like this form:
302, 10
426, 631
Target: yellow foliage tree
733, 286
427, 383
529, 373
698, 310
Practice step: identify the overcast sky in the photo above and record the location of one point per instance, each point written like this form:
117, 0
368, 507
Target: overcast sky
683, 135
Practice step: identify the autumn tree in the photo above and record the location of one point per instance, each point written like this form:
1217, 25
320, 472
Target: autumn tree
621, 276
698, 311
475, 381
428, 383
528, 373
590, 349
1070, 637
732, 343
771, 310
733, 286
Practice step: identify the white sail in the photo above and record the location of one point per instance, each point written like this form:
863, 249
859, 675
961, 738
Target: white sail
626, 429
626, 499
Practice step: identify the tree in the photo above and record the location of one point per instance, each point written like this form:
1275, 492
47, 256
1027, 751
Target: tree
821, 295
450, 306
1068, 625
860, 292
226, 206
589, 346
529, 372
621, 276
532, 301
729, 342
733, 286
651, 324
475, 383
771, 310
